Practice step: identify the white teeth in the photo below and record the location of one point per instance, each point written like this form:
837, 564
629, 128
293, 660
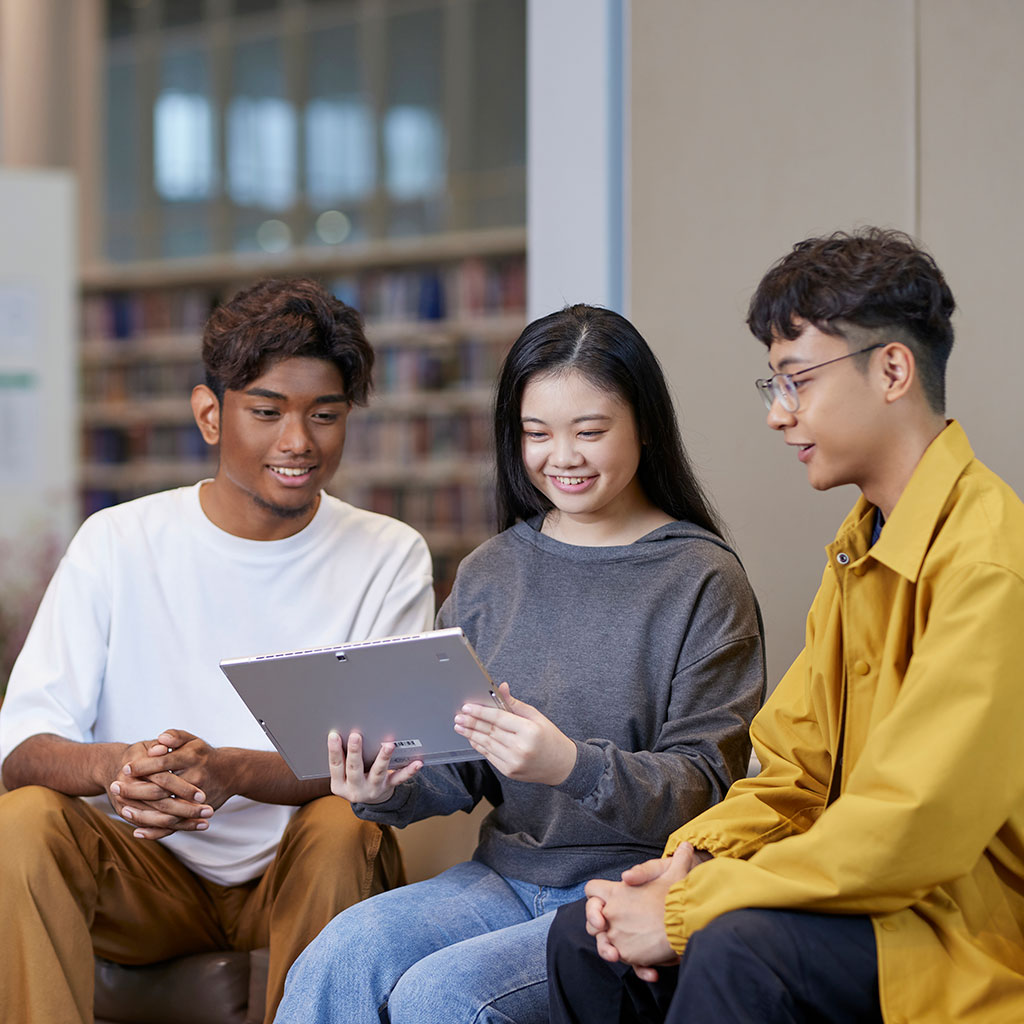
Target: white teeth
289, 471
570, 481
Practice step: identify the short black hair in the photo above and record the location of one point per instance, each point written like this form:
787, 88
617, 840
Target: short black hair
609, 352
277, 319
875, 279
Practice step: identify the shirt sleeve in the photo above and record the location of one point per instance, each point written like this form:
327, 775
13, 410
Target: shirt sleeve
435, 790
408, 602
55, 683
899, 828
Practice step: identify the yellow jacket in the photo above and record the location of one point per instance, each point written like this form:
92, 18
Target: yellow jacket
924, 633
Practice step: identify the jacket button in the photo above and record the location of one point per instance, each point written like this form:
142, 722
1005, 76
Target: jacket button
862, 668
843, 558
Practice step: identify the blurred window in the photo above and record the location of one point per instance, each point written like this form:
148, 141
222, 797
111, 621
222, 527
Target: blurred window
341, 138
262, 133
183, 128
264, 124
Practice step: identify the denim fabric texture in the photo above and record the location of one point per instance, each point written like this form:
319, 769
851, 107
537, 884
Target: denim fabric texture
467, 947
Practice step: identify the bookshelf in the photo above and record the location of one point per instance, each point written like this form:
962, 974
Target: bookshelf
440, 312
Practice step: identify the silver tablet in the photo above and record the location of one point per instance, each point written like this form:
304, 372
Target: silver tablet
406, 689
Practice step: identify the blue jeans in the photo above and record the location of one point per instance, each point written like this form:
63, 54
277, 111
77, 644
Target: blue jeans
467, 947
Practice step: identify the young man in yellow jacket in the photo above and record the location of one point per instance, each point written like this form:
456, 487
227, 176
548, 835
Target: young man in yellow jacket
874, 869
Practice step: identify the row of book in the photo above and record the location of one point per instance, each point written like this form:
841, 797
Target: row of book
407, 439
128, 314
120, 382
95, 498
122, 445
378, 438
456, 365
446, 564
463, 363
452, 507
464, 288
469, 287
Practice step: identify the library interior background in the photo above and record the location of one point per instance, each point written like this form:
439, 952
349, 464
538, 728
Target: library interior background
378, 147
453, 168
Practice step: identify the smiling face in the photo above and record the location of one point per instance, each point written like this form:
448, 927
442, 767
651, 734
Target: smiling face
281, 439
838, 430
581, 451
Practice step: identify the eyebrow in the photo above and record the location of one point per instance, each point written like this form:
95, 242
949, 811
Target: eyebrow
784, 362
277, 396
575, 419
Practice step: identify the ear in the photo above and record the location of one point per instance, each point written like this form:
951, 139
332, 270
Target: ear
899, 370
206, 410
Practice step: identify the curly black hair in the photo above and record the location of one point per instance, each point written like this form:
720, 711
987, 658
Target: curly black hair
277, 319
875, 279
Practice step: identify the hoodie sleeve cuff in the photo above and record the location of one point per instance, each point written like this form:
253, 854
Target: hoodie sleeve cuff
386, 809
586, 773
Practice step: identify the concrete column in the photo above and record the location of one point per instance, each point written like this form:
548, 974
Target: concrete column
575, 153
51, 55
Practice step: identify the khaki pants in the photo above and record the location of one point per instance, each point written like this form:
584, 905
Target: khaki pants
74, 881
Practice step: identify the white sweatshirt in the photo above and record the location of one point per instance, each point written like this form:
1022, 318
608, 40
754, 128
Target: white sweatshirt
148, 599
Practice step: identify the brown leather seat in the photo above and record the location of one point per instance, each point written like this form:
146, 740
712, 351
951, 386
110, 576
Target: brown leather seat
206, 988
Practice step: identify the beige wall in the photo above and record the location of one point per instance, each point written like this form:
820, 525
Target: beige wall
755, 124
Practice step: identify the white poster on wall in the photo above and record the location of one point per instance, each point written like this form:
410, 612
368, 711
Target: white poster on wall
19, 325
19, 427
20, 411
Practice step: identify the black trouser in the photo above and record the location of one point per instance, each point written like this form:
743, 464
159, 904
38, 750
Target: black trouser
757, 966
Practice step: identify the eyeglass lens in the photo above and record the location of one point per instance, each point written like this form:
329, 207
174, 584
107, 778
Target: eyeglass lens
779, 387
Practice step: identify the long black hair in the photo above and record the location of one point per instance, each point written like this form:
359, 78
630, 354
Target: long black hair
610, 353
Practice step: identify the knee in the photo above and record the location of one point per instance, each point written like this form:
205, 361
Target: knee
738, 934
334, 858
427, 992
568, 933
32, 818
327, 826
355, 936
569, 923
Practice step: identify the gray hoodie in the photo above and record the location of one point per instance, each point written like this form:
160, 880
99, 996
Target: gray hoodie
648, 655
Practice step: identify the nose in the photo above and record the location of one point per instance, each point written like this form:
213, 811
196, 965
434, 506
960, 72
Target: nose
566, 452
779, 417
294, 436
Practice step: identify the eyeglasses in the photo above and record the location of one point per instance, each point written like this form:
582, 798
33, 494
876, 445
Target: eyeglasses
782, 387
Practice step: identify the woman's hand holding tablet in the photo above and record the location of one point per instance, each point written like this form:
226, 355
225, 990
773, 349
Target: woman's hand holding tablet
521, 742
373, 785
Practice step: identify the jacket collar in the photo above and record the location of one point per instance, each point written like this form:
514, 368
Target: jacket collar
909, 529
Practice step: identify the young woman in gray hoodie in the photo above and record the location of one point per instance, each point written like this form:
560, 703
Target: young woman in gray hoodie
632, 648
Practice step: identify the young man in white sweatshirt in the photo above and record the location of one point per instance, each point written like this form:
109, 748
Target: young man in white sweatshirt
148, 816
